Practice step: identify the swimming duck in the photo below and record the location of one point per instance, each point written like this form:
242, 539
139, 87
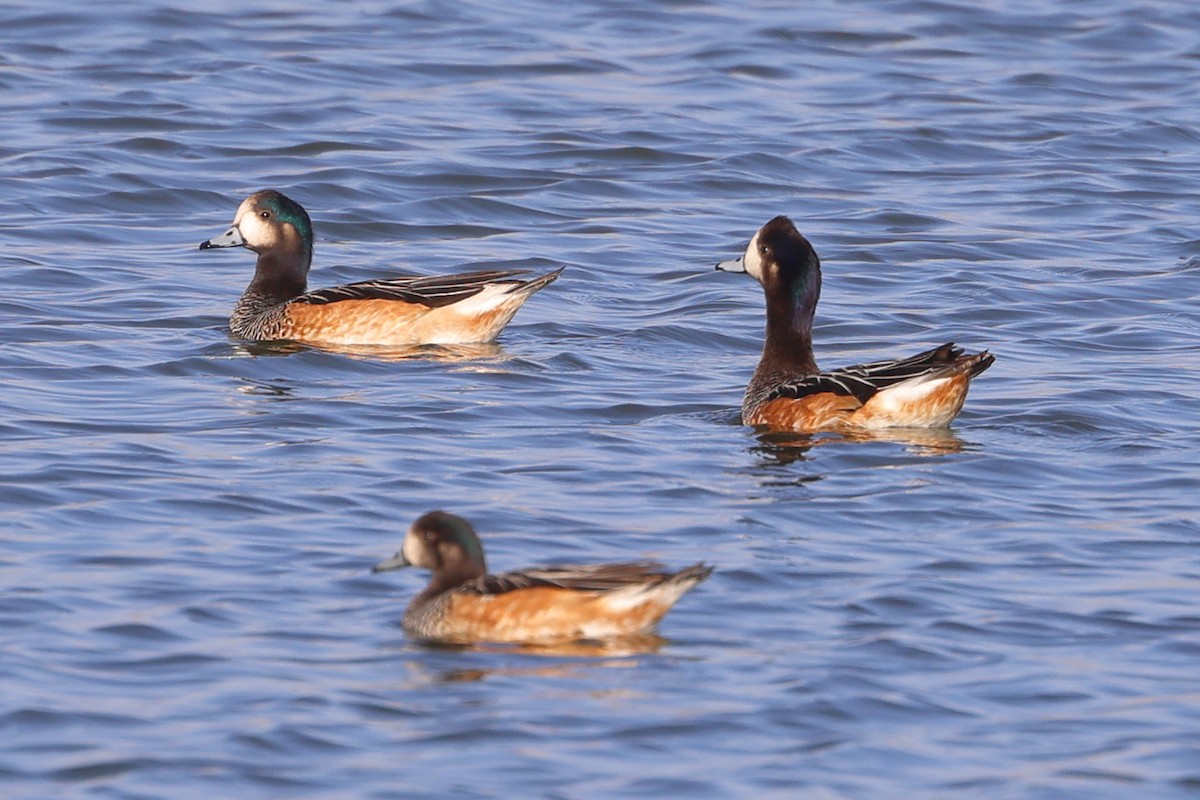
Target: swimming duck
788, 391
411, 310
464, 604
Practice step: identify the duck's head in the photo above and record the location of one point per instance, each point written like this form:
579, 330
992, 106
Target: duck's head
269, 222
786, 265
442, 543
778, 257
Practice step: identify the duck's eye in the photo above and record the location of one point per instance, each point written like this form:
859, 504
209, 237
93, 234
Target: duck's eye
429, 537
265, 214
764, 250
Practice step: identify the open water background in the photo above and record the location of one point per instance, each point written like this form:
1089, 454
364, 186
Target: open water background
1011, 609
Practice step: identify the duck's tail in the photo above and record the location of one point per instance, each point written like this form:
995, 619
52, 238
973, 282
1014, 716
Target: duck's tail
526, 288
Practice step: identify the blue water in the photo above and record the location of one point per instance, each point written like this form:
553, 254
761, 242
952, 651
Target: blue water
1008, 609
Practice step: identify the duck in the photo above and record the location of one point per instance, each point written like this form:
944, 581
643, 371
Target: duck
465, 604
470, 307
789, 392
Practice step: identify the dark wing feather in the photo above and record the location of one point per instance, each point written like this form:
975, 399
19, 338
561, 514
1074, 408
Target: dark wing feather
864, 380
433, 291
599, 578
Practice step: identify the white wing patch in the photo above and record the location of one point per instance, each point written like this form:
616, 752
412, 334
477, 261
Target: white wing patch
906, 393
485, 300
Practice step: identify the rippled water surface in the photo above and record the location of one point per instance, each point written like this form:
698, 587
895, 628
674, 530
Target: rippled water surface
1008, 609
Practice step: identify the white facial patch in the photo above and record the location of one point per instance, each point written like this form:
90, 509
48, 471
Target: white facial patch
751, 261
255, 230
411, 549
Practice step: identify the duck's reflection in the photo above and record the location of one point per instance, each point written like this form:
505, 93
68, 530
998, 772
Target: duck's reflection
619, 653
786, 447
480, 351
482, 356
921, 441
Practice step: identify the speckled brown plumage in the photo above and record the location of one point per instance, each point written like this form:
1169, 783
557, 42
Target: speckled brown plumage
463, 603
411, 310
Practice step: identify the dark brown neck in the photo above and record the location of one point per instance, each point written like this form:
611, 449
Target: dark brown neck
789, 349
452, 575
788, 346
279, 278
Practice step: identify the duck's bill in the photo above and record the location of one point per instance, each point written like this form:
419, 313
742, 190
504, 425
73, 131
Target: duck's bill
395, 562
230, 238
733, 265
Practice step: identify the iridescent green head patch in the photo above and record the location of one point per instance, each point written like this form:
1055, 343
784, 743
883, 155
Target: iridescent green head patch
462, 533
286, 210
